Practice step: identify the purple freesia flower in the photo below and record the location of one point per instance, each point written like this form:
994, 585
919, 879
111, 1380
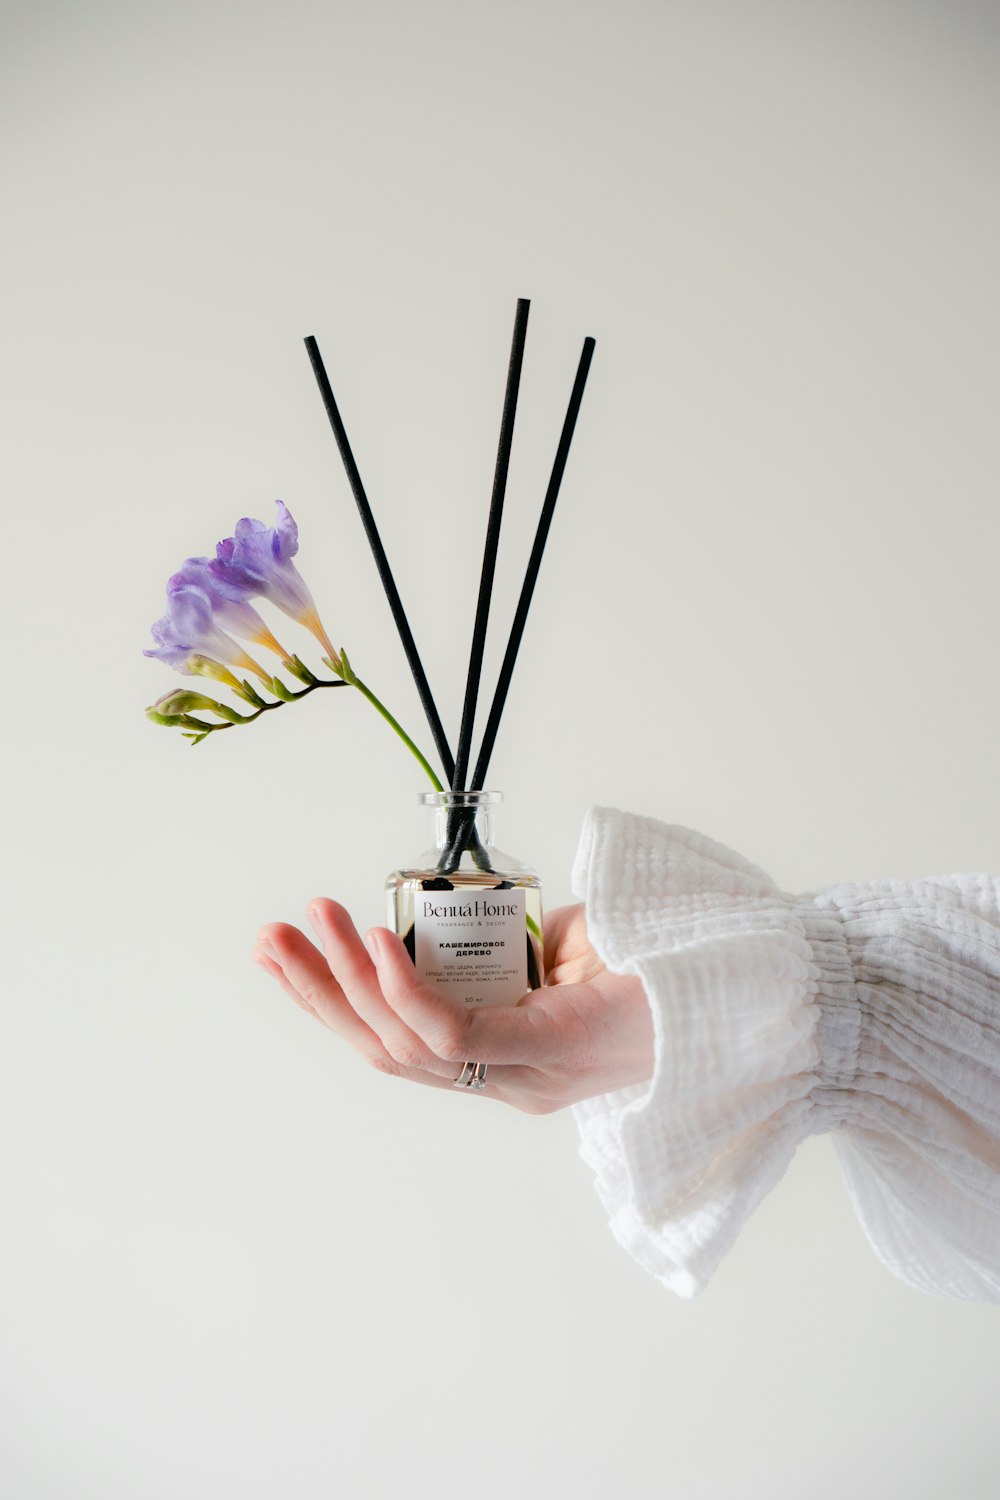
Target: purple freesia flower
188, 639
235, 615
257, 562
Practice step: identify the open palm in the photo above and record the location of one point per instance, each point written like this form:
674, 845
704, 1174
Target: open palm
586, 1032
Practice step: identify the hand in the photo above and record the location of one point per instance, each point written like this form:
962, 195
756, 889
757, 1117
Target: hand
588, 1031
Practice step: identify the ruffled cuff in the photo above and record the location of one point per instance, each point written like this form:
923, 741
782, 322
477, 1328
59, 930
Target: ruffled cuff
732, 983
875, 1009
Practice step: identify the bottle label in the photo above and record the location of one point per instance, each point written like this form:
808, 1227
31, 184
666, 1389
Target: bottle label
472, 945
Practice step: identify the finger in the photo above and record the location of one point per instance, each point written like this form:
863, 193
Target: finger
437, 1081
495, 1034
305, 975
349, 961
523, 1087
263, 959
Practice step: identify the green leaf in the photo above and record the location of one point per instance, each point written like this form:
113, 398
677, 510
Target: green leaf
250, 695
299, 669
346, 670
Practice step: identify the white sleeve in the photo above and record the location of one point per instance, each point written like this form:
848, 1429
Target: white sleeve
869, 1010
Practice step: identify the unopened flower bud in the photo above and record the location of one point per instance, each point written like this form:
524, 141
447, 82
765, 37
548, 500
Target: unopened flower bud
155, 717
183, 701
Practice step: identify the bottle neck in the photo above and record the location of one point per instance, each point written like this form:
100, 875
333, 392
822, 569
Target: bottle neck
445, 820
463, 828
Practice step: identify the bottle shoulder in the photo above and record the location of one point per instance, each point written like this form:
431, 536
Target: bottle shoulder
503, 868
483, 880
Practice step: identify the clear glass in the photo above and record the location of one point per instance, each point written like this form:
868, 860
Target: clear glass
464, 859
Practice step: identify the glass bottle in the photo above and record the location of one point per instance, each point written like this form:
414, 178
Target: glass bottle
469, 915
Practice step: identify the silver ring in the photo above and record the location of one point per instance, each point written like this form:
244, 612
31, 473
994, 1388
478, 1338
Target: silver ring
472, 1076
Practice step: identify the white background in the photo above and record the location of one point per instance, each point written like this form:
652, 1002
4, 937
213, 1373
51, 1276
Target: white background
234, 1262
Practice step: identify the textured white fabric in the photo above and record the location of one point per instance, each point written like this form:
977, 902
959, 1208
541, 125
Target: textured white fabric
869, 1010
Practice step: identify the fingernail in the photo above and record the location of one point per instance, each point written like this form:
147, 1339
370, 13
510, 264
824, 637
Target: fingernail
312, 913
268, 951
372, 944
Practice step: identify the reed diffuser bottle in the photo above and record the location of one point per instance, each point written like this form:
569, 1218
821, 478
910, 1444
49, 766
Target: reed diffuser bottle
469, 915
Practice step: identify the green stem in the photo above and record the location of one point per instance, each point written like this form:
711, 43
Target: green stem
346, 678
366, 692
265, 708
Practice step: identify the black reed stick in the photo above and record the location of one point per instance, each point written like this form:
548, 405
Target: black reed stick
462, 822
534, 563
464, 750
382, 562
